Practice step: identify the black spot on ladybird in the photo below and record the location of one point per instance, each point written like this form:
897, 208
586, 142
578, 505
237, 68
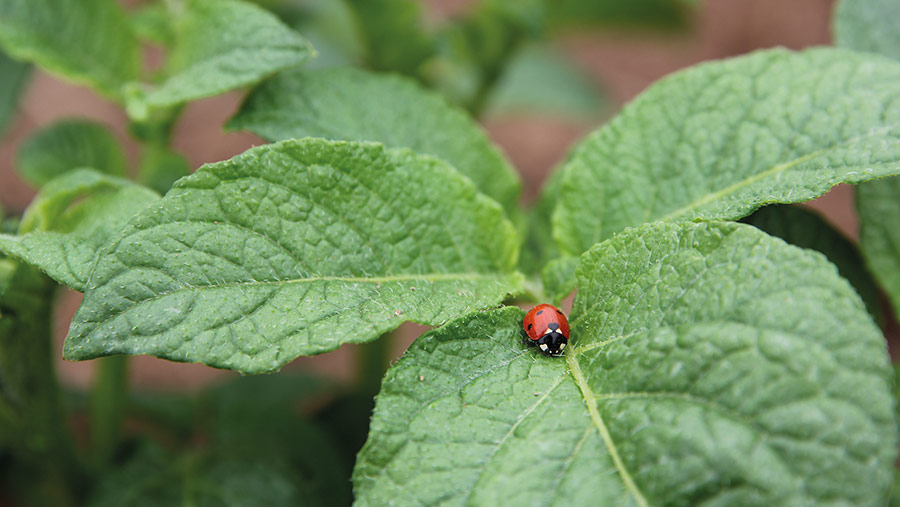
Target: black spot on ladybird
530, 326
540, 312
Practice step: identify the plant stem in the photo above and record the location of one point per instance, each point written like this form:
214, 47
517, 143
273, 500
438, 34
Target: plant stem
37, 435
108, 400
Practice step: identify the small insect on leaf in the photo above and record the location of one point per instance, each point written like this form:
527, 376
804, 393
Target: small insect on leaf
547, 328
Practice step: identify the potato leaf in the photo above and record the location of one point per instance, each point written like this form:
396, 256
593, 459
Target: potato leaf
542, 82
721, 139
352, 104
868, 25
874, 25
66, 145
13, 76
220, 45
87, 41
805, 228
878, 204
709, 364
156, 478
295, 248
393, 34
70, 220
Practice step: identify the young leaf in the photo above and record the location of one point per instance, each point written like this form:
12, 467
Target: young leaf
804, 228
331, 27
67, 145
872, 25
13, 75
558, 277
539, 254
220, 45
352, 104
540, 81
87, 41
538, 247
161, 167
151, 22
393, 34
475, 49
721, 139
878, 205
295, 248
61, 238
709, 364
868, 25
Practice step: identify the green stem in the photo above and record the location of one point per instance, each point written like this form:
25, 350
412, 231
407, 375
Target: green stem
373, 359
39, 440
108, 400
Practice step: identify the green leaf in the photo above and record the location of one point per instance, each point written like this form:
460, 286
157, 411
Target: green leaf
295, 248
66, 145
872, 25
156, 478
330, 27
807, 229
151, 22
9, 225
161, 167
392, 32
721, 139
710, 364
71, 219
87, 41
868, 25
260, 417
249, 421
539, 255
475, 49
13, 75
878, 206
539, 80
351, 104
538, 248
220, 45
558, 277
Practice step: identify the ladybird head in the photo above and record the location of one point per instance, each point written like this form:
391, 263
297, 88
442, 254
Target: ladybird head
552, 343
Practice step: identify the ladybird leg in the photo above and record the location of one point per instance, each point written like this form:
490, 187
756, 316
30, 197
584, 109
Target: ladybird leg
526, 339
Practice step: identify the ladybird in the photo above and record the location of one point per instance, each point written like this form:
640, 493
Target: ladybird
547, 327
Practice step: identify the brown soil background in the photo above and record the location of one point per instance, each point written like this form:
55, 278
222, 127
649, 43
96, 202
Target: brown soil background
622, 63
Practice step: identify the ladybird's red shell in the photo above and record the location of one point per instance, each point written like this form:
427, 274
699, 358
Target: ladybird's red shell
540, 317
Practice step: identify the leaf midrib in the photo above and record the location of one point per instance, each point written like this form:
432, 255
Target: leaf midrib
427, 277
591, 402
776, 169
430, 277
